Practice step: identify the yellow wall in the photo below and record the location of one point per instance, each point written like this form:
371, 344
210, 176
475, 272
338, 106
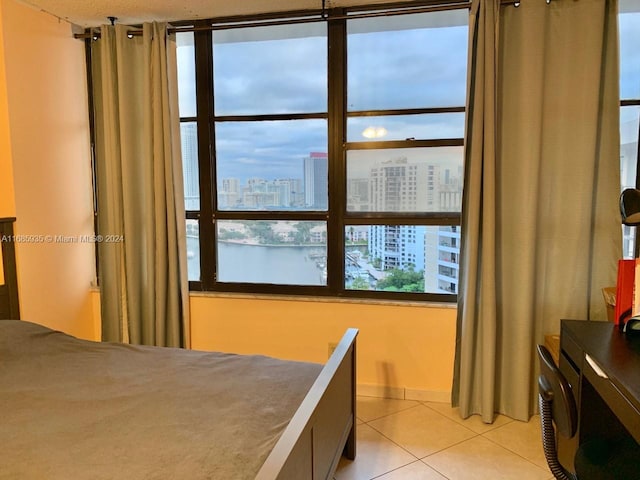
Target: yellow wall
408, 348
404, 351
7, 201
48, 133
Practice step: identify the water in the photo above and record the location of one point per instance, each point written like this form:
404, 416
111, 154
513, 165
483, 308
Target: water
262, 264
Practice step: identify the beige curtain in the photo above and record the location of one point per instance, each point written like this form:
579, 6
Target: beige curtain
541, 228
142, 263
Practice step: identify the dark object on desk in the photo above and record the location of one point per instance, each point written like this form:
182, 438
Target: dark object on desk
632, 327
630, 214
596, 459
630, 206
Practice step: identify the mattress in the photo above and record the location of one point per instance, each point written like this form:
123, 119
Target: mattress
75, 409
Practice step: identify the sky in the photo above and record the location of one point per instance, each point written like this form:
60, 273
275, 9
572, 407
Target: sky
257, 71
269, 73
629, 30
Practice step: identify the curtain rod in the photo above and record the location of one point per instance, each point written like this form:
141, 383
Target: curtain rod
321, 18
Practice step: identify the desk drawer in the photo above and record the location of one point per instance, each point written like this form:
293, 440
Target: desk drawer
572, 375
572, 351
617, 402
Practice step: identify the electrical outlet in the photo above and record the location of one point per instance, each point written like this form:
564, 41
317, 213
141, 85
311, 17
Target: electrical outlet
332, 347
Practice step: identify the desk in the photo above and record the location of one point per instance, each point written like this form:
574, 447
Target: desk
603, 367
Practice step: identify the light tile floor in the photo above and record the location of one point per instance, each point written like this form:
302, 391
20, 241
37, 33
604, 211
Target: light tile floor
410, 440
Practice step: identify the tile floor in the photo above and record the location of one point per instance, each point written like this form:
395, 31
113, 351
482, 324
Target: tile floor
410, 440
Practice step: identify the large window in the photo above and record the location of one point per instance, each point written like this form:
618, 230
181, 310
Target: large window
325, 157
629, 28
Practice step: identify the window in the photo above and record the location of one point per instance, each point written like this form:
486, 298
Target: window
325, 157
629, 28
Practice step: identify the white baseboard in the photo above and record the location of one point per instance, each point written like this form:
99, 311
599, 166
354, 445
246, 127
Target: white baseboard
401, 393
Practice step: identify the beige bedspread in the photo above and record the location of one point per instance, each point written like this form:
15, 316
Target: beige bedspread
74, 410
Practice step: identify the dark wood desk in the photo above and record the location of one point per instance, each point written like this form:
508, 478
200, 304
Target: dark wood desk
603, 367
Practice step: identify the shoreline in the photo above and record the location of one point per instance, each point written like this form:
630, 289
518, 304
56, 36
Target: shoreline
253, 243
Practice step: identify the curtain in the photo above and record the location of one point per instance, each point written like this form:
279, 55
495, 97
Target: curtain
142, 255
541, 230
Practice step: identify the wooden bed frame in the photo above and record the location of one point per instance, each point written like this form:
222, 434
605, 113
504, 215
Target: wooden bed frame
320, 432
9, 308
324, 427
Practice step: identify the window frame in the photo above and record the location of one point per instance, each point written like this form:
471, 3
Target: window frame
337, 217
630, 232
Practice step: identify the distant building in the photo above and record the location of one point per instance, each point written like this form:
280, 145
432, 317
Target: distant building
399, 185
189, 143
397, 246
315, 177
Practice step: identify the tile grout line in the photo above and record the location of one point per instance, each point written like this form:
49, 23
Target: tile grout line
392, 413
516, 453
475, 434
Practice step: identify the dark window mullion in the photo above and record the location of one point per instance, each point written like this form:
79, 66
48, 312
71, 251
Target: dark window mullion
445, 142
271, 215
266, 117
436, 219
204, 103
337, 91
405, 111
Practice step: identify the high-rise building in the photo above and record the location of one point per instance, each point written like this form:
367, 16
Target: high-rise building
397, 246
189, 143
398, 185
315, 175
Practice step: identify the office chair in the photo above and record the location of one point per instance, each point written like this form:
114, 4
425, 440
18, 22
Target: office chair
596, 459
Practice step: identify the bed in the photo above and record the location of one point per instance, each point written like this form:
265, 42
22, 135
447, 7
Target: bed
9, 307
71, 408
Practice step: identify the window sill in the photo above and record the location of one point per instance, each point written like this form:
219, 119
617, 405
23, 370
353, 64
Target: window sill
319, 299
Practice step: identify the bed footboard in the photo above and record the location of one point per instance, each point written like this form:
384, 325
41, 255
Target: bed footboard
324, 426
9, 307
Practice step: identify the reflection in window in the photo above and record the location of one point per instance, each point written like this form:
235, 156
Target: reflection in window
405, 180
403, 127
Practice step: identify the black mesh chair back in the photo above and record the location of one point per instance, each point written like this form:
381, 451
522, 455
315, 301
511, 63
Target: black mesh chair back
611, 458
557, 405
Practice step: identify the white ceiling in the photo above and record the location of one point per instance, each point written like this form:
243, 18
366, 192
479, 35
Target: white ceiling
90, 13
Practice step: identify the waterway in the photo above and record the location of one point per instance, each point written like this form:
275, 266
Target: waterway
281, 265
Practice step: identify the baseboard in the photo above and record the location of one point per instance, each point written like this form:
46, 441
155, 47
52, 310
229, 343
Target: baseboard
380, 391
427, 395
402, 393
